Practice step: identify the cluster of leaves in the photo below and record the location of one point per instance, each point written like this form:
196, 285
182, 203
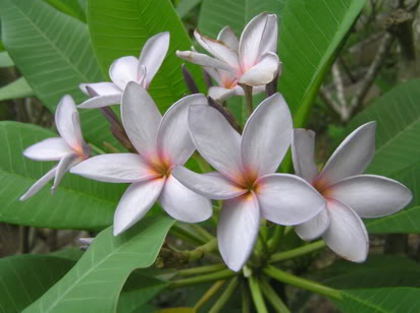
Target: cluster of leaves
57, 44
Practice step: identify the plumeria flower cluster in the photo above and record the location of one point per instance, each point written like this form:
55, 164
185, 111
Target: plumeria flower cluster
246, 179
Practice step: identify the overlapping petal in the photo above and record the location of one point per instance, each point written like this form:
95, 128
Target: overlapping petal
50, 149
173, 140
216, 140
211, 185
115, 168
303, 154
203, 60
153, 54
237, 230
346, 234
352, 156
67, 123
267, 136
370, 195
221, 93
135, 203
37, 186
184, 204
100, 89
288, 199
124, 70
228, 37
315, 227
62, 167
140, 118
100, 101
263, 72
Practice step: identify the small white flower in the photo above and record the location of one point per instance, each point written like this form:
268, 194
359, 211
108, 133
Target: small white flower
246, 177
348, 193
251, 60
69, 149
161, 143
128, 69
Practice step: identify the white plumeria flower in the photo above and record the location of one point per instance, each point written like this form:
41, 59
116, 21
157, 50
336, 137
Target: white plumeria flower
251, 60
246, 176
69, 149
128, 69
161, 143
349, 194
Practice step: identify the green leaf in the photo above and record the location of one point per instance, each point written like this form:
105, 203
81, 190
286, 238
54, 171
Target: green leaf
310, 34
185, 6
69, 7
78, 202
397, 114
24, 279
139, 289
216, 14
17, 89
407, 220
53, 52
94, 283
5, 60
400, 271
380, 300
120, 28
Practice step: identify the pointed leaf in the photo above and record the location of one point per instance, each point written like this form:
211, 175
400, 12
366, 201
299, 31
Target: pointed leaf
17, 89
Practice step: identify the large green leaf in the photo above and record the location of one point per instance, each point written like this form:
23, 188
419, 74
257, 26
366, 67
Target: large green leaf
53, 52
310, 33
397, 114
380, 300
94, 283
400, 271
5, 60
185, 6
70, 7
216, 14
17, 89
77, 203
408, 220
25, 278
120, 28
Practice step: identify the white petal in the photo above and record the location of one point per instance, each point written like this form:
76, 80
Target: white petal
218, 49
220, 93
115, 168
50, 149
37, 186
352, 156
228, 37
140, 118
203, 60
153, 54
346, 234
100, 102
288, 199
216, 140
258, 37
173, 139
67, 123
123, 71
263, 72
315, 227
267, 136
371, 195
184, 204
303, 154
100, 89
63, 166
213, 186
237, 230
135, 203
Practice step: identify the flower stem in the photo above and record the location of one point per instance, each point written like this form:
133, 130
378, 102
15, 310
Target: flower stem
200, 251
178, 229
275, 239
200, 270
257, 295
224, 297
248, 98
245, 299
208, 294
273, 298
223, 274
281, 256
202, 232
293, 280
